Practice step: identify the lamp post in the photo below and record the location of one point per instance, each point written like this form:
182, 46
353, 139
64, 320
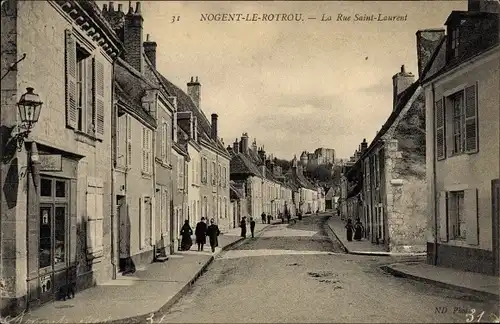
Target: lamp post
29, 107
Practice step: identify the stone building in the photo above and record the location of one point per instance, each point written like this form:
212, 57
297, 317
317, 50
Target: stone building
214, 166
56, 224
239, 203
180, 202
463, 152
393, 183
265, 191
307, 193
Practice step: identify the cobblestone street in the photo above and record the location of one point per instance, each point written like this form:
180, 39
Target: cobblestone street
294, 273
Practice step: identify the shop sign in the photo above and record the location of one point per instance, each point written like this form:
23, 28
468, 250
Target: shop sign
51, 162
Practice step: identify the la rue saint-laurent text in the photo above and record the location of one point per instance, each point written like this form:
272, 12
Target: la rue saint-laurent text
284, 17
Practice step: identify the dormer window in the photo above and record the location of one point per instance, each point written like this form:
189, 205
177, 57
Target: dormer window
455, 40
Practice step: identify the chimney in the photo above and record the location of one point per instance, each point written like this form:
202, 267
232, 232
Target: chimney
132, 38
364, 146
244, 143
213, 127
427, 42
400, 82
254, 146
236, 147
262, 154
194, 91
230, 150
150, 50
484, 6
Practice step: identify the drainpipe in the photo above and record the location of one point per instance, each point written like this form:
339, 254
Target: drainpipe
435, 248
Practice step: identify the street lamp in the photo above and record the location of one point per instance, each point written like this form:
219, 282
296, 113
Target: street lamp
29, 107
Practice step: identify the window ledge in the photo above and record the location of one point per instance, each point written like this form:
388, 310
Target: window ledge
86, 138
122, 169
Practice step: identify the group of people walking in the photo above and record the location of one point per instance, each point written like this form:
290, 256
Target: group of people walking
243, 226
201, 232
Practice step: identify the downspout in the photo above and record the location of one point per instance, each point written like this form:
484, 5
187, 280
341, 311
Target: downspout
435, 248
153, 197
114, 227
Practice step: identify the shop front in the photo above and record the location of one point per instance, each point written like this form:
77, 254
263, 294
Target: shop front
52, 226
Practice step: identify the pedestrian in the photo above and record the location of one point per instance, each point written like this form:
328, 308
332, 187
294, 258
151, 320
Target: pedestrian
338, 212
252, 226
349, 228
186, 232
263, 215
358, 230
201, 233
212, 233
288, 216
243, 226
269, 218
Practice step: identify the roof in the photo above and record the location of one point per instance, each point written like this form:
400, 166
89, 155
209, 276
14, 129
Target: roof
235, 190
241, 164
185, 103
130, 87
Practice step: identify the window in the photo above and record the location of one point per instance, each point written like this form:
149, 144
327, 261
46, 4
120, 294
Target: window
213, 174
205, 207
455, 40
456, 215
53, 223
457, 106
146, 151
84, 89
164, 141
122, 141
219, 176
180, 172
204, 171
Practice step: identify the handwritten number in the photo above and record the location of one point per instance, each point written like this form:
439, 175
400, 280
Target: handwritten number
175, 18
469, 317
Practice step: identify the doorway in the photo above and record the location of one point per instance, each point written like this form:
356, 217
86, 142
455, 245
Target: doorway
53, 238
495, 222
123, 231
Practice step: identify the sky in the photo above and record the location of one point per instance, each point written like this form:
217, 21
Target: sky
293, 86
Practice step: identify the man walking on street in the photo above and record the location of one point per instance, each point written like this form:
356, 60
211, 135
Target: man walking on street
263, 217
243, 226
212, 233
201, 233
252, 226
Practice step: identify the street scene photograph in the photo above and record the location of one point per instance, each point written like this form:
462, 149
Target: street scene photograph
250, 161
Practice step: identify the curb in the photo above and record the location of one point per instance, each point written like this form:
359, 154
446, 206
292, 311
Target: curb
183, 290
373, 253
398, 273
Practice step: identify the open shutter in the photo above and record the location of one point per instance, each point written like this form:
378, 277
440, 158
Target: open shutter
443, 216
143, 136
471, 129
470, 215
163, 139
70, 62
98, 91
150, 151
128, 126
440, 131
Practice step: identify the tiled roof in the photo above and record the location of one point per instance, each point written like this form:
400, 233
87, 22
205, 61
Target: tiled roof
185, 103
130, 88
235, 190
241, 164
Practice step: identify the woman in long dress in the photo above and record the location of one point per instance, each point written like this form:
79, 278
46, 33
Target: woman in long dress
358, 230
349, 229
186, 233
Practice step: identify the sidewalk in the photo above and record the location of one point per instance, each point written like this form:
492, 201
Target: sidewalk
467, 282
131, 297
363, 247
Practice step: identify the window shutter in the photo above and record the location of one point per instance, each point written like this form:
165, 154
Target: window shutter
471, 125
443, 216
150, 151
440, 131
470, 215
70, 62
163, 140
143, 137
128, 127
98, 90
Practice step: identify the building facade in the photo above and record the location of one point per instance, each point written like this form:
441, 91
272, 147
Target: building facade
463, 118
63, 198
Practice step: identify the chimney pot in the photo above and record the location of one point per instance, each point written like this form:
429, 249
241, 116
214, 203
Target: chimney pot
402, 69
147, 37
105, 7
196, 78
192, 79
111, 6
130, 9
138, 7
213, 127
120, 7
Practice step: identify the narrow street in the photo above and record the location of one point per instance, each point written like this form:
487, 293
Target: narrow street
295, 273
